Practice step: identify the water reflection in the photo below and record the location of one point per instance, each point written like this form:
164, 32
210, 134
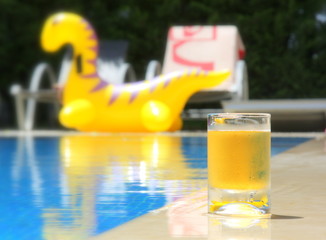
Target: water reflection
25, 157
108, 180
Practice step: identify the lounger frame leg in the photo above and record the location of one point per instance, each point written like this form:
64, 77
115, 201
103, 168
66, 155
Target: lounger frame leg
26, 117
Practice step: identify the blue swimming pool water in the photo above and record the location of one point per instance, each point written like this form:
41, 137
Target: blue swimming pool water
53, 188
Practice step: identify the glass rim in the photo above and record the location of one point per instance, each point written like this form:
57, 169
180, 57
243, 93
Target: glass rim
236, 115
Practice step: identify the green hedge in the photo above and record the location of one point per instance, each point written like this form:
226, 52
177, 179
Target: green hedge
286, 45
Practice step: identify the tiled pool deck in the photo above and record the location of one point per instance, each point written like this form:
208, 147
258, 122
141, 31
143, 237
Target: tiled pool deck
66, 185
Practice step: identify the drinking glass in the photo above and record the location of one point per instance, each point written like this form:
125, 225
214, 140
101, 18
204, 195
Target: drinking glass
239, 164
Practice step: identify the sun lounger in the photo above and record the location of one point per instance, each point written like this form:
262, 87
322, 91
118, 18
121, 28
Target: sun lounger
207, 48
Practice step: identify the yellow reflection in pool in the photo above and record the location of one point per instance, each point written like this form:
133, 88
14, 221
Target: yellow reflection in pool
103, 165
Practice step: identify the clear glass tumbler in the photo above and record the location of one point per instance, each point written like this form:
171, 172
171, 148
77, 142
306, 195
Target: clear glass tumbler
239, 164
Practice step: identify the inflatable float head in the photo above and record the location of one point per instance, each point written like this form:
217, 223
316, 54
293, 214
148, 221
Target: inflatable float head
61, 29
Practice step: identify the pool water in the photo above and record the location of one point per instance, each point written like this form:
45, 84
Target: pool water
72, 187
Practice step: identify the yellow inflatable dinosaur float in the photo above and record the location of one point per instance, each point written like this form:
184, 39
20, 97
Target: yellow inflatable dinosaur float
92, 104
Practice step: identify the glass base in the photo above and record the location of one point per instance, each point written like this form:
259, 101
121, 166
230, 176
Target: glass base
239, 203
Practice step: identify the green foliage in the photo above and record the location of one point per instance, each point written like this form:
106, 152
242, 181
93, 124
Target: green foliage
286, 46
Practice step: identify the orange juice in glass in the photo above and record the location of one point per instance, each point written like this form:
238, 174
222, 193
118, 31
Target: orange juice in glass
239, 164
